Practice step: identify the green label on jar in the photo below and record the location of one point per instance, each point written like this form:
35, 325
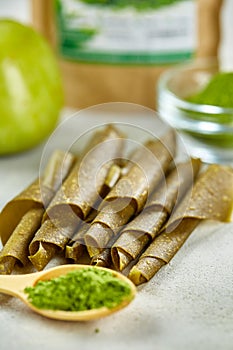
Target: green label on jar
126, 32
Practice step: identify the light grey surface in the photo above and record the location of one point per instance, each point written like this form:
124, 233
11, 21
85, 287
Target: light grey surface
187, 305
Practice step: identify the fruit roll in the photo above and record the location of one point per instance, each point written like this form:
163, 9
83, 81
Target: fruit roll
37, 195
76, 246
103, 257
143, 229
210, 199
75, 249
130, 194
77, 197
83, 187
30, 204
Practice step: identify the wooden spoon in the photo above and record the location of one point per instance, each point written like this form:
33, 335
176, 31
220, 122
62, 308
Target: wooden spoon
14, 285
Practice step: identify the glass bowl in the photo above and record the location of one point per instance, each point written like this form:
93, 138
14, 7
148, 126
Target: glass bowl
207, 130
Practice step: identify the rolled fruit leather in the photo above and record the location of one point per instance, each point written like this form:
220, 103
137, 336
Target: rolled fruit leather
130, 243
112, 54
131, 192
147, 225
22, 216
77, 196
210, 199
104, 258
76, 247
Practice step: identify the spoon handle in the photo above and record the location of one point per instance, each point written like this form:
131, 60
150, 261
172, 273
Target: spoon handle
15, 284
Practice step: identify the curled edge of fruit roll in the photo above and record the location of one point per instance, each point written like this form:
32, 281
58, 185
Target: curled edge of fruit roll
210, 199
27, 210
147, 225
78, 195
131, 192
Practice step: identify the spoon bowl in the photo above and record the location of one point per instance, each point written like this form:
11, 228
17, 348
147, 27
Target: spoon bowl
15, 284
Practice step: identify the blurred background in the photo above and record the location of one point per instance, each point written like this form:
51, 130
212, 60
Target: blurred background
87, 83
21, 10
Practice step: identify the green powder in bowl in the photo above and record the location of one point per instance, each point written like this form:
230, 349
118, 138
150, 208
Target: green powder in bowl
197, 100
79, 290
218, 92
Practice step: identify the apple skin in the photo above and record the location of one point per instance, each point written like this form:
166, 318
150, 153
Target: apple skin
31, 91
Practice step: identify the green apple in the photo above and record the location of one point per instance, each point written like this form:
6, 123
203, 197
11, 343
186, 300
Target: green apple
31, 93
